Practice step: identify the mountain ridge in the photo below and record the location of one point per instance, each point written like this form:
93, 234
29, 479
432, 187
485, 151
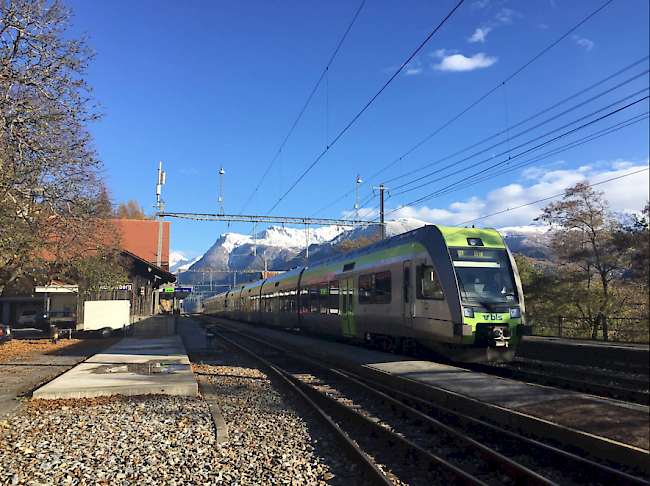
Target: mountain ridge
280, 248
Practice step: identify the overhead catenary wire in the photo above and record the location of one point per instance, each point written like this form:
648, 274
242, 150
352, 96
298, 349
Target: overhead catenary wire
543, 143
369, 179
549, 197
523, 132
523, 144
546, 110
517, 156
305, 106
529, 141
510, 138
365, 107
483, 175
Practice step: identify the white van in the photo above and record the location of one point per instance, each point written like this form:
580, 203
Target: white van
27, 317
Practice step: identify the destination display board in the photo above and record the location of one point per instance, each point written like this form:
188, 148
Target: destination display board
480, 254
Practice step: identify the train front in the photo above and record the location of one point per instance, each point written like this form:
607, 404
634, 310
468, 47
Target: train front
491, 300
490, 319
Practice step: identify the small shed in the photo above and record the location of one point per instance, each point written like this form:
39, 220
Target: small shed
143, 278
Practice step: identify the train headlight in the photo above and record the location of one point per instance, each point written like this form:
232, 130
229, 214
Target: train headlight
515, 313
468, 312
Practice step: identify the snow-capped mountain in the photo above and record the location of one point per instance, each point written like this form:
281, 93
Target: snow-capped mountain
178, 263
175, 257
281, 248
628, 218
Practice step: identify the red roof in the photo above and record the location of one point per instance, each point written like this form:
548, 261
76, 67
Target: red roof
141, 238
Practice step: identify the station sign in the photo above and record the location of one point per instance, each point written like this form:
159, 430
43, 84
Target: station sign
124, 286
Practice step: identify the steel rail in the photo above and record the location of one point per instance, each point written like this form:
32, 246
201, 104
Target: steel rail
520, 473
374, 473
425, 458
568, 460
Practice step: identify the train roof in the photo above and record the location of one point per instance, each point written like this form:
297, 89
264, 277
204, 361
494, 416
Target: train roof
453, 237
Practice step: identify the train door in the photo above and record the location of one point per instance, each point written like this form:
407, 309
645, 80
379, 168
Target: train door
276, 309
408, 303
347, 307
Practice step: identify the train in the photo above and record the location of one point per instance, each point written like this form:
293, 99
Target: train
453, 291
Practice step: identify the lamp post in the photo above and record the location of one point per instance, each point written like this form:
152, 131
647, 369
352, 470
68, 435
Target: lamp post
356, 206
221, 173
160, 207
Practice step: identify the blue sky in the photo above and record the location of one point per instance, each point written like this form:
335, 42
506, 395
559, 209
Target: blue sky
197, 85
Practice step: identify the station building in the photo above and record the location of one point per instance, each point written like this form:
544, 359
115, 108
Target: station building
139, 243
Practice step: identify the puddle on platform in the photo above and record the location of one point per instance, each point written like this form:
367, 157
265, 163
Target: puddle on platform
153, 367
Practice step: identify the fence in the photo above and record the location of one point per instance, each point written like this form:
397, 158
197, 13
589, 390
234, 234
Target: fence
620, 329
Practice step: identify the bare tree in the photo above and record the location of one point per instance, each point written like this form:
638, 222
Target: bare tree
52, 196
592, 252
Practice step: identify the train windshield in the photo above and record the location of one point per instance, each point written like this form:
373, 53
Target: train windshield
484, 275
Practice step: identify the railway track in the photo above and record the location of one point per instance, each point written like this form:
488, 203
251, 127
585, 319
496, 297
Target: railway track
633, 389
402, 439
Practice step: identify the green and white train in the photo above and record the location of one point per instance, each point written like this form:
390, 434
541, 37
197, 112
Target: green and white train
455, 291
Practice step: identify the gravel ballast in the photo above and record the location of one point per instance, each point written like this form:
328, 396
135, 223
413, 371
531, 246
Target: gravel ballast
273, 437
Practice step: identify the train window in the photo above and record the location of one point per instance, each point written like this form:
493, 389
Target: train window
304, 299
348, 267
428, 283
365, 289
334, 297
382, 288
313, 298
324, 298
293, 297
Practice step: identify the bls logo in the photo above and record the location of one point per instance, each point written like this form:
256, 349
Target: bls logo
492, 317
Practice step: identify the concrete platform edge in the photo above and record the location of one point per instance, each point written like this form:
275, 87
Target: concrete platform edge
215, 410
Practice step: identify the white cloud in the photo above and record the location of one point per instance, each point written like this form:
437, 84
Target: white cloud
622, 164
629, 192
441, 53
458, 62
480, 34
586, 43
505, 16
480, 4
412, 68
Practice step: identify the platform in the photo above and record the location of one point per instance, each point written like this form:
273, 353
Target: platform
131, 367
628, 357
